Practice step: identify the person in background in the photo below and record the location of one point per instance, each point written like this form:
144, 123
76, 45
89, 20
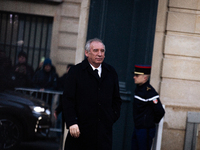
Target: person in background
5, 67
58, 111
61, 80
46, 78
147, 109
22, 73
91, 101
40, 64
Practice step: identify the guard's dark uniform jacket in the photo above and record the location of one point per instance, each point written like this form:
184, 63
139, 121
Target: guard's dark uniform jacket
147, 108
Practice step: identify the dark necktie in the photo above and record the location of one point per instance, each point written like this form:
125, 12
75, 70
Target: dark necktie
96, 73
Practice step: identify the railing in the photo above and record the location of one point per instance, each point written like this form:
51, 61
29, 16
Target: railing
50, 97
158, 138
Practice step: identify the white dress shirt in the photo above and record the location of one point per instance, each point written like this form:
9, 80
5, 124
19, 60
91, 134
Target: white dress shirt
99, 69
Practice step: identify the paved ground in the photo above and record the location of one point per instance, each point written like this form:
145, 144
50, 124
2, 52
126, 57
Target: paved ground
40, 144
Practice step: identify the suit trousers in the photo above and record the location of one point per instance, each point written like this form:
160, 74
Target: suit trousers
142, 139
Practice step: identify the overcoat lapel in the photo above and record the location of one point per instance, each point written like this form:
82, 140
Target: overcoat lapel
105, 71
87, 66
91, 71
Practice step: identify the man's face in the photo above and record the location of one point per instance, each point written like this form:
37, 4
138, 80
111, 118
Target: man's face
21, 59
140, 79
96, 54
47, 68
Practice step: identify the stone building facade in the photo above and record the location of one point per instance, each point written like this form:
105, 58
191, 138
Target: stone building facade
176, 54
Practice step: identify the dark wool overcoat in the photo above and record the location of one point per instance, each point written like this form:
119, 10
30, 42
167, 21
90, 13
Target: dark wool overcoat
94, 104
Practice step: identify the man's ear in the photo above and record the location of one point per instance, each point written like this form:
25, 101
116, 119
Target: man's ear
86, 53
146, 77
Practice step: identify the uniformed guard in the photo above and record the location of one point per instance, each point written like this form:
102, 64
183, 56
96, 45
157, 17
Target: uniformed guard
147, 109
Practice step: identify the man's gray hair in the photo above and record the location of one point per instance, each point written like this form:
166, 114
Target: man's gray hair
87, 45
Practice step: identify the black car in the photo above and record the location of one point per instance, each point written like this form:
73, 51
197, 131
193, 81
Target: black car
21, 117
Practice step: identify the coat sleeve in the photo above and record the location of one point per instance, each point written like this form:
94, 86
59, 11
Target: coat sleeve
35, 80
156, 105
116, 104
52, 84
68, 101
159, 111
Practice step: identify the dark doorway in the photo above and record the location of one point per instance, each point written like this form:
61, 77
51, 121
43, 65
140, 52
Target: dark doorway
127, 28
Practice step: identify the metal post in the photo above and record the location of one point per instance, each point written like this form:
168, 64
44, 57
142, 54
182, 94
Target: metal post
193, 119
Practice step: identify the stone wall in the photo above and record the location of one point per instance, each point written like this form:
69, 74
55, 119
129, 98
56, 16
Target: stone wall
176, 47
67, 34
72, 33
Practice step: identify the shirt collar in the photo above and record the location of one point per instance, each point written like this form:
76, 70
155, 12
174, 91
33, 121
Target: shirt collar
99, 69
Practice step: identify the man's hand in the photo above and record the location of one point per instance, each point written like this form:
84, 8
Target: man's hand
74, 131
55, 115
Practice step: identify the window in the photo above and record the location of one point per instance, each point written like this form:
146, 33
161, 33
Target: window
29, 33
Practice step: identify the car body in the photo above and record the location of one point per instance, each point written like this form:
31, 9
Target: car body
22, 117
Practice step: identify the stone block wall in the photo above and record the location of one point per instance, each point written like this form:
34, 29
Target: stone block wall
177, 47
68, 33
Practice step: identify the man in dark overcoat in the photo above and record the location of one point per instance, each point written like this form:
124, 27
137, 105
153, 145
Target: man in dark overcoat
91, 101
